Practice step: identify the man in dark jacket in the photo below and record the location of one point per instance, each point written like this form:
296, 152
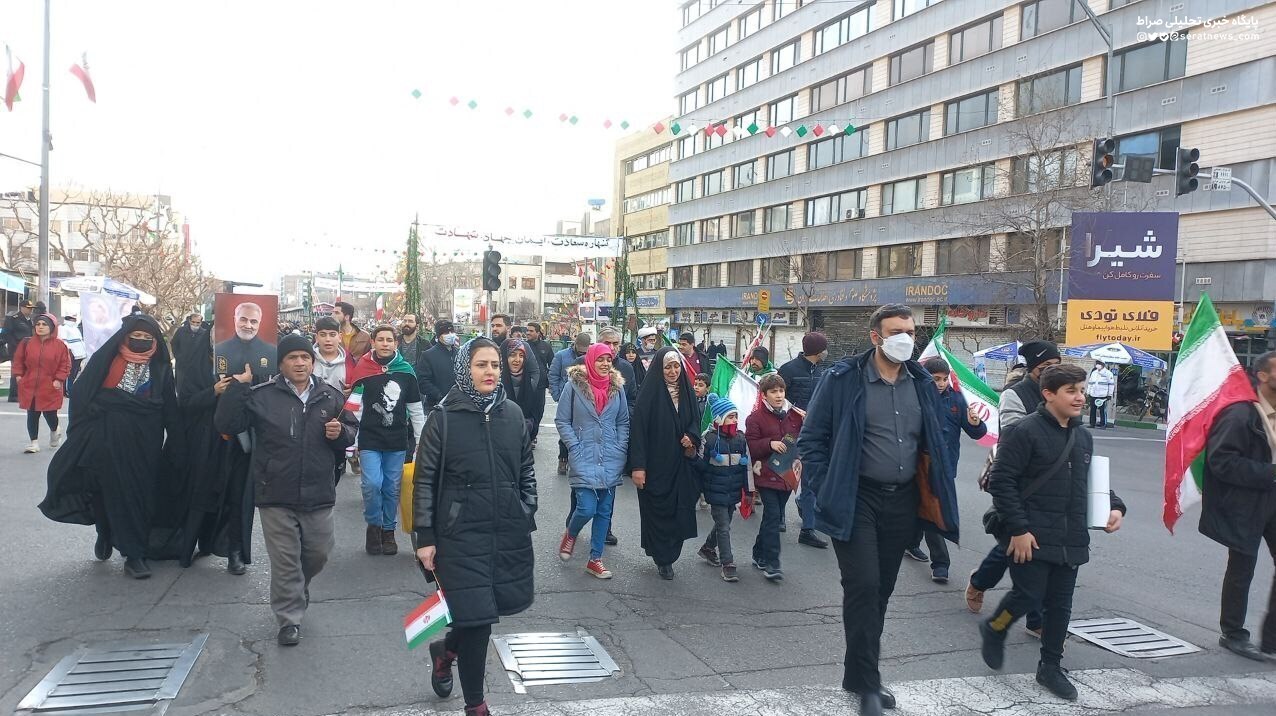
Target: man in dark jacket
17, 326
1017, 401
800, 378
1048, 529
542, 348
955, 417
1238, 506
873, 453
191, 330
564, 359
695, 359
435, 370
299, 431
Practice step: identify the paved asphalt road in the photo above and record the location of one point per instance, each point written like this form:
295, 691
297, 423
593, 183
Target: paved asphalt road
694, 645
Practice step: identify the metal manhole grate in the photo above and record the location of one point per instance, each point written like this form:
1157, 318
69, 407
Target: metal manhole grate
544, 659
1130, 638
124, 676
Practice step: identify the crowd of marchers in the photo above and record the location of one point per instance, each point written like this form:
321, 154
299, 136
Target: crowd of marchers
170, 460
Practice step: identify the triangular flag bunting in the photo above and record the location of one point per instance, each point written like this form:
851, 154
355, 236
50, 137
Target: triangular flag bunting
801, 130
785, 132
770, 131
658, 127
818, 130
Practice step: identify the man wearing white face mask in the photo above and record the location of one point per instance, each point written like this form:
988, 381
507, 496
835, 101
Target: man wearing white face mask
873, 454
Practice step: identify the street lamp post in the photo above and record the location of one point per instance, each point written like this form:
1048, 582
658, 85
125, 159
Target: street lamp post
43, 287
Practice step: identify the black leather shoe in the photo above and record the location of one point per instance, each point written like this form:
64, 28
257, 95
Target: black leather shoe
888, 698
136, 568
1241, 647
810, 539
665, 571
611, 539
235, 563
871, 704
1054, 678
441, 668
102, 547
289, 636
993, 648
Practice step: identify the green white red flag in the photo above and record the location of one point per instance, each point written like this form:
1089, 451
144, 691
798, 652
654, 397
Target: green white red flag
740, 388
13, 78
976, 392
81, 72
1206, 379
426, 621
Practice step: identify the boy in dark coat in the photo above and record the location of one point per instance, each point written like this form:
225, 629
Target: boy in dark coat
723, 467
955, 417
771, 429
1049, 535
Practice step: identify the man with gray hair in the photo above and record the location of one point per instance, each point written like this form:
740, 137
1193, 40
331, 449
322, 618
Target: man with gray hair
611, 336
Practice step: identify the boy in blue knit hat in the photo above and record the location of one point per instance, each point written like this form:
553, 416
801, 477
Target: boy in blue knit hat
723, 469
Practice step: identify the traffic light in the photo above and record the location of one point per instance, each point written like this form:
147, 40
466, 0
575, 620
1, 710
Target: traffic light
1101, 165
491, 270
1185, 171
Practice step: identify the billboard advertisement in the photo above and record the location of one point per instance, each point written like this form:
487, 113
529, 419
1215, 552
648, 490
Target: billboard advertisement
1123, 255
1146, 325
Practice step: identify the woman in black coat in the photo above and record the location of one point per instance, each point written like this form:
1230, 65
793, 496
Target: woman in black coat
111, 472
629, 352
474, 505
665, 433
521, 379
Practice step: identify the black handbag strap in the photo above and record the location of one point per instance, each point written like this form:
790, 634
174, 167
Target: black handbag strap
1045, 477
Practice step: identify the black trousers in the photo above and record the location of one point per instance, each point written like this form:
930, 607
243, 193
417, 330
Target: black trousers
1235, 602
50, 417
13, 389
1100, 411
470, 646
75, 373
885, 525
938, 547
562, 450
1045, 587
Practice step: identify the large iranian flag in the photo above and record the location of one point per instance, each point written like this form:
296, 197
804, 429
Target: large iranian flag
1206, 379
977, 393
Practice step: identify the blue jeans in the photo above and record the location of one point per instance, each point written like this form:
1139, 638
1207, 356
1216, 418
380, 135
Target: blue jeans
990, 572
592, 505
806, 507
382, 473
766, 548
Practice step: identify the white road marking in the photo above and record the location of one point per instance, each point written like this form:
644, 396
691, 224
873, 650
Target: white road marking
1101, 691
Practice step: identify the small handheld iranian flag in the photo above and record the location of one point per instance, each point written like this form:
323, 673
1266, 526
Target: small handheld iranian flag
1206, 379
427, 620
976, 392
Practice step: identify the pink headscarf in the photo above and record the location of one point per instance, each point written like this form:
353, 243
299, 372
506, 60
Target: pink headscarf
600, 383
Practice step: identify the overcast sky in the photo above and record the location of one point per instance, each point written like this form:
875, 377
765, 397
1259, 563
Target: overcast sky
273, 123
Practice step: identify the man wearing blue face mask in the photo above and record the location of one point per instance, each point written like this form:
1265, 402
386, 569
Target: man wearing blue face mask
874, 456
434, 369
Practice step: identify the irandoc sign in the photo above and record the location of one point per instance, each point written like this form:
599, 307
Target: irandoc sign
1123, 255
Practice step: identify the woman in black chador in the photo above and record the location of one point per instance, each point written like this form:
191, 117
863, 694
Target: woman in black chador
220, 516
665, 433
108, 473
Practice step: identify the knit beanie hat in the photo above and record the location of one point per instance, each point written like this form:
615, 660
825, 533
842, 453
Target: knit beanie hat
814, 343
761, 354
292, 343
1037, 352
720, 407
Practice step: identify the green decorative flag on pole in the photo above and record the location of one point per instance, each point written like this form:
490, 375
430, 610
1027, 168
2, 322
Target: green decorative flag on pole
730, 382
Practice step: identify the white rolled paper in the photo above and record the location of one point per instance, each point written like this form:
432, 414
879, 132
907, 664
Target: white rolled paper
1100, 488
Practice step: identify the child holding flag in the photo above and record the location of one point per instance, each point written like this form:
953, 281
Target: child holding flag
772, 430
723, 469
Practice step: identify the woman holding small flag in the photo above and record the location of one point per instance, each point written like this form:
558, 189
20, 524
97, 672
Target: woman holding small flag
474, 504
665, 433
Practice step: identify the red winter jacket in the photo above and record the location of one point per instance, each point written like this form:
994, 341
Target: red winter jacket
763, 426
38, 363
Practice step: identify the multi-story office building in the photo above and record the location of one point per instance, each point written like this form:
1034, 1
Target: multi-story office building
640, 213
924, 202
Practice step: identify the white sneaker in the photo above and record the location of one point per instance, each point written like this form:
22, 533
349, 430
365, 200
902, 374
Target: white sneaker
55, 438
33, 447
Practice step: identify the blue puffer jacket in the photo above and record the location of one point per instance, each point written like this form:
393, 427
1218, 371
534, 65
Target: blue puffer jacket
722, 467
597, 445
832, 442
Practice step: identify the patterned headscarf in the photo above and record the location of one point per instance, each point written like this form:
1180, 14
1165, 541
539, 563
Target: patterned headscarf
465, 382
